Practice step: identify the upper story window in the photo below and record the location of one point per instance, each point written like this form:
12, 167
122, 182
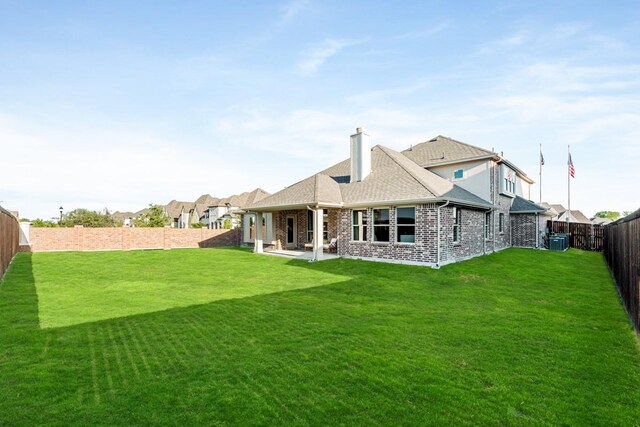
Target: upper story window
406, 225
359, 226
458, 174
456, 224
381, 225
508, 183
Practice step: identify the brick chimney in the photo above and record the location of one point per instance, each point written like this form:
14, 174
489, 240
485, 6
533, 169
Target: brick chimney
360, 155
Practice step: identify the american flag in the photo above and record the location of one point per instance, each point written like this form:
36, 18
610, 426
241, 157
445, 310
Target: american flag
572, 169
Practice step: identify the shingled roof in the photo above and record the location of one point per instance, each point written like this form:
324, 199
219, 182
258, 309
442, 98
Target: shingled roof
443, 150
393, 179
521, 205
243, 199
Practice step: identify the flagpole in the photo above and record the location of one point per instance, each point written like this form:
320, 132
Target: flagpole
540, 160
568, 185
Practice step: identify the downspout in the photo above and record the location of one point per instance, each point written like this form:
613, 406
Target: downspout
494, 231
438, 234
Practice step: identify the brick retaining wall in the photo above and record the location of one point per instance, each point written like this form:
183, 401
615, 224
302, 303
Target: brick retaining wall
125, 238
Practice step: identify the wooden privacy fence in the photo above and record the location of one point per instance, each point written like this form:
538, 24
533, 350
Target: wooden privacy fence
622, 252
582, 236
9, 238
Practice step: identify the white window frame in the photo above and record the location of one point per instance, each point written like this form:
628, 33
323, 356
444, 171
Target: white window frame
457, 222
415, 212
361, 224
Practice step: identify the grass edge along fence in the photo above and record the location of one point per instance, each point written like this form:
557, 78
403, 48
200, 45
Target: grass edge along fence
9, 239
622, 252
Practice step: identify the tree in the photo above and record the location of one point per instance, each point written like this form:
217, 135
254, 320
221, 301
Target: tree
627, 213
43, 223
227, 224
196, 225
153, 217
88, 218
612, 215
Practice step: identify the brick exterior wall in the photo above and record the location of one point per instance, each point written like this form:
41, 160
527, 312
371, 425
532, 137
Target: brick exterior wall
125, 238
471, 242
423, 250
523, 227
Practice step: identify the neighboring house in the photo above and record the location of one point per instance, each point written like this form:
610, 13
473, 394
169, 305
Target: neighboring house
211, 211
126, 218
230, 208
560, 213
181, 214
601, 221
202, 204
437, 202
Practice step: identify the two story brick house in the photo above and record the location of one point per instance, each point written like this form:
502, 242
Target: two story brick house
435, 203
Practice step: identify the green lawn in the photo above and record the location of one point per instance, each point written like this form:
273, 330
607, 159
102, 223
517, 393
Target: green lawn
225, 337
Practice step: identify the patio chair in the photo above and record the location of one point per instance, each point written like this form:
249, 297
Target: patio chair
332, 246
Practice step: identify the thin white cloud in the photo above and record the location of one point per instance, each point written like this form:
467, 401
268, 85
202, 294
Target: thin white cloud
291, 10
318, 54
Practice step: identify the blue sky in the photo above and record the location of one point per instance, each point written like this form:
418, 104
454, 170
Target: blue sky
120, 104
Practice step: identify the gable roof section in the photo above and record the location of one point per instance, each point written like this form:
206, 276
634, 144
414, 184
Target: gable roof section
174, 208
521, 205
574, 216
243, 199
206, 199
442, 150
393, 179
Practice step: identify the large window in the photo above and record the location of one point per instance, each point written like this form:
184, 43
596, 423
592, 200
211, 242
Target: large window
325, 220
501, 222
381, 225
406, 225
487, 225
456, 225
359, 226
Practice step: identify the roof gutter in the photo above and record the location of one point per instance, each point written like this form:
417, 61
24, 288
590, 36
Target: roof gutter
368, 204
519, 171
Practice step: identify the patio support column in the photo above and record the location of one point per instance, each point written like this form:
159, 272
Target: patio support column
257, 248
318, 232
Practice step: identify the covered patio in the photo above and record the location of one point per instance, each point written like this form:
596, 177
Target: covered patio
308, 233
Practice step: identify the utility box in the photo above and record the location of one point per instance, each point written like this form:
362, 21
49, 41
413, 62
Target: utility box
556, 243
559, 242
